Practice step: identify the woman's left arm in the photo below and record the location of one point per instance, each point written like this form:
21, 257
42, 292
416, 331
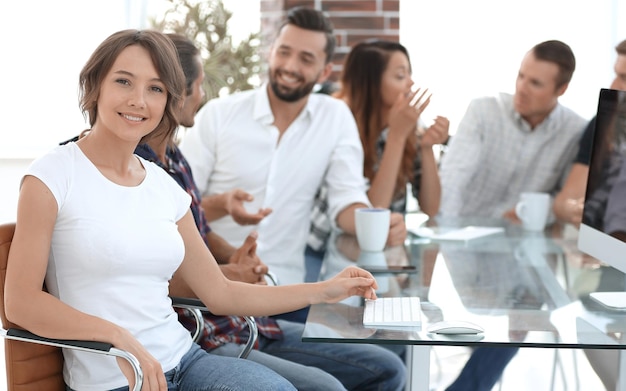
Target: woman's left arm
200, 274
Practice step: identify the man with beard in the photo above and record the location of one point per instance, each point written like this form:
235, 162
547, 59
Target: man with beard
279, 143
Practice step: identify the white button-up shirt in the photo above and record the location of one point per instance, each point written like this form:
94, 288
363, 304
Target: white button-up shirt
234, 144
495, 156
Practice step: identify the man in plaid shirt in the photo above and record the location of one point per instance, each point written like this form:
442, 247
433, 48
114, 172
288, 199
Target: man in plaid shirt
306, 365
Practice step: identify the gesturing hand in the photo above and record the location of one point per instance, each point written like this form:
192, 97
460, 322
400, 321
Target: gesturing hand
234, 206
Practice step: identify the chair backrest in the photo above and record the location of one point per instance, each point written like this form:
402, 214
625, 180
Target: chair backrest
28, 366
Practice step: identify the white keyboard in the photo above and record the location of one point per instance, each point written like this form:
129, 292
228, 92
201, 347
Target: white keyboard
393, 311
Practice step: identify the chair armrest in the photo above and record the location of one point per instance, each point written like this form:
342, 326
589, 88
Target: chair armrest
195, 306
187, 302
85, 346
23, 335
271, 277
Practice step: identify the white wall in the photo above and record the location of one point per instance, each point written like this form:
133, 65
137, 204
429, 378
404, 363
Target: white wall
44, 45
463, 49
460, 49
11, 172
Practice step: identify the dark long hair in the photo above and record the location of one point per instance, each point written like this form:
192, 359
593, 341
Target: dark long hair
361, 85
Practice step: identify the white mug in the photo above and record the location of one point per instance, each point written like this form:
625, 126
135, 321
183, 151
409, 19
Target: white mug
372, 228
533, 209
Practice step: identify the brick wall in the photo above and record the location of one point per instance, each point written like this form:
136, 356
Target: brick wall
354, 21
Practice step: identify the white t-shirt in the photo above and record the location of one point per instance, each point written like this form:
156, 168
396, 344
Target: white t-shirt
234, 144
114, 249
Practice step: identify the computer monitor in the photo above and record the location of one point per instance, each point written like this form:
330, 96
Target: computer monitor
603, 230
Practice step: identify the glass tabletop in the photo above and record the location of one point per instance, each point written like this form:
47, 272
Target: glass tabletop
522, 288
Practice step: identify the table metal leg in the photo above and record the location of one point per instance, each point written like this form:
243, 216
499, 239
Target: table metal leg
418, 368
621, 376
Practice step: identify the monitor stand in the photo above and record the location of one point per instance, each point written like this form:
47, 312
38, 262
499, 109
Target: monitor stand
613, 300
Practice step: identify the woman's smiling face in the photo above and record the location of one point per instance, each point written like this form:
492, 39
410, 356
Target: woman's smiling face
132, 99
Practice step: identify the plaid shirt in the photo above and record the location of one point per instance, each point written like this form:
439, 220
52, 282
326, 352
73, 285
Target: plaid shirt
178, 169
218, 330
320, 221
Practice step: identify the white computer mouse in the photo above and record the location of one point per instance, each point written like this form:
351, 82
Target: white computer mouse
454, 327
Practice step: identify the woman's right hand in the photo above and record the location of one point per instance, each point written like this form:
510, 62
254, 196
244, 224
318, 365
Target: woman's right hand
351, 281
405, 113
153, 376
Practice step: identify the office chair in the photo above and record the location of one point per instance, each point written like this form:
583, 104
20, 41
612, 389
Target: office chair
196, 307
35, 363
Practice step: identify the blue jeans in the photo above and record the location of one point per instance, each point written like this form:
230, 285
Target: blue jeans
356, 366
200, 371
483, 369
298, 316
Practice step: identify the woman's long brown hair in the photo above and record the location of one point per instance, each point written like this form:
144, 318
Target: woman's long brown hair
361, 81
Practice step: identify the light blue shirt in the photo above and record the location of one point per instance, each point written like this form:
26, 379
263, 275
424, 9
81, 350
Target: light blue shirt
495, 156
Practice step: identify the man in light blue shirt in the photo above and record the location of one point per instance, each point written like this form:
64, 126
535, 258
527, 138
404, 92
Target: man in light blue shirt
506, 145
509, 144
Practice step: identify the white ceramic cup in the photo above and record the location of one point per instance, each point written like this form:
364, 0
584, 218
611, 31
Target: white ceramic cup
372, 228
533, 209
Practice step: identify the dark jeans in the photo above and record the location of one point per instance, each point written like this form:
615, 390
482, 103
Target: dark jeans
312, 264
483, 369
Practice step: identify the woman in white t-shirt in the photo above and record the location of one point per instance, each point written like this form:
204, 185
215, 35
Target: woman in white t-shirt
112, 234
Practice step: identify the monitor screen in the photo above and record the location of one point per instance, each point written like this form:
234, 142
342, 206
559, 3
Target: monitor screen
603, 230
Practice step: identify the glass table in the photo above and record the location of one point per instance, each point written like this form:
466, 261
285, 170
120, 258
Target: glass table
525, 289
